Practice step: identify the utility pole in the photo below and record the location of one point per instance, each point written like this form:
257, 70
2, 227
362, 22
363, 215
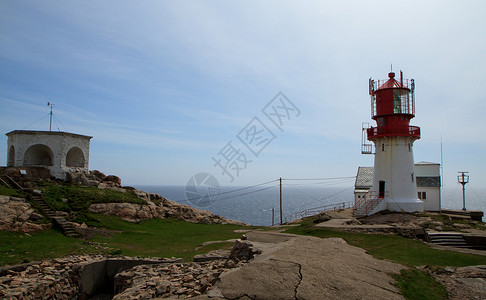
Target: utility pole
273, 216
463, 179
281, 221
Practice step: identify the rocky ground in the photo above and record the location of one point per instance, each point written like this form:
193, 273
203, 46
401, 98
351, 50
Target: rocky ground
460, 283
16, 214
264, 265
65, 278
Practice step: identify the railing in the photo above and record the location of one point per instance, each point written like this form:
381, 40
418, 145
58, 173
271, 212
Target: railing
367, 149
369, 201
315, 210
406, 83
376, 132
372, 203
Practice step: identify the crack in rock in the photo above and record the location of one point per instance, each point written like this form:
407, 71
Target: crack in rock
300, 275
300, 281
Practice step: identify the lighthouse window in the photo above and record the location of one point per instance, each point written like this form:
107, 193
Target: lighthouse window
396, 102
422, 195
382, 147
401, 103
409, 147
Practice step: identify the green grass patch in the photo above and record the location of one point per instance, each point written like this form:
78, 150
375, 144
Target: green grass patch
150, 238
18, 248
77, 198
163, 237
393, 247
416, 284
10, 192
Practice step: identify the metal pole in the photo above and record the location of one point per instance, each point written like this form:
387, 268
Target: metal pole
463, 179
463, 196
50, 121
281, 220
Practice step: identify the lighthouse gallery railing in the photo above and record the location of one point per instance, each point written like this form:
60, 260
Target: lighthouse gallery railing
375, 132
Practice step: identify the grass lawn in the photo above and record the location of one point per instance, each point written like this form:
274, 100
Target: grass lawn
155, 238
10, 192
163, 237
79, 198
18, 248
416, 284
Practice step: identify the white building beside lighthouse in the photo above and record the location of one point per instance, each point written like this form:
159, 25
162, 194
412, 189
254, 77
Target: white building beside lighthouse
394, 184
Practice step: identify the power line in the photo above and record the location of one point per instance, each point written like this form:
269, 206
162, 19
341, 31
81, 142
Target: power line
320, 199
337, 180
316, 179
248, 187
248, 193
321, 183
232, 191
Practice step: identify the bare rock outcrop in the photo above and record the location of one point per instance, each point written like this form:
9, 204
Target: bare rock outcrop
155, 206
463, 282
16, 215
132, 212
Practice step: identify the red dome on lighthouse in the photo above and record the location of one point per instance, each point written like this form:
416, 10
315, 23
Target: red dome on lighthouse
391, 83
392, 107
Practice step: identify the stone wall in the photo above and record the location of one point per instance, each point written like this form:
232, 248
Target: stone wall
87, 276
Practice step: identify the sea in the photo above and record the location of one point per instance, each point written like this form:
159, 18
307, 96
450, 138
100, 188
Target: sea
260, 205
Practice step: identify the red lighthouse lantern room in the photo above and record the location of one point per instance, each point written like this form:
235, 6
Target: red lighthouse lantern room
392, 107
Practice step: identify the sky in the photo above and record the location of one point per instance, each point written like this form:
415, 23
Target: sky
169, 88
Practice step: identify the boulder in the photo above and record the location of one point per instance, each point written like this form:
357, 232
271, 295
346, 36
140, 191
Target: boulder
77, 178
243, 250
322, 217
97, 174
113, 178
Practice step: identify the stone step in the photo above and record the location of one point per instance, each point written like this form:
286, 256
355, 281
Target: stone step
453, 239
66, 228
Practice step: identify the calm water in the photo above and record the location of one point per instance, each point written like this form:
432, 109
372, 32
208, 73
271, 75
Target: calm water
254, 205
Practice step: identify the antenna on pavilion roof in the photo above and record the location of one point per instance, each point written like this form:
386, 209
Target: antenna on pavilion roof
50, 119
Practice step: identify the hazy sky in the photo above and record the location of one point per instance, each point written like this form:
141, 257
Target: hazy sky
166, 87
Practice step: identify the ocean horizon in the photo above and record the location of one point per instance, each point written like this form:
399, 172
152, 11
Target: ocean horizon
254, 205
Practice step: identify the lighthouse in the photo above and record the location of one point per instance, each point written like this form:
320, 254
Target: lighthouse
394, 184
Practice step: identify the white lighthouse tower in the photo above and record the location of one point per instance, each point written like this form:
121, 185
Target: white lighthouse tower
394, 183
